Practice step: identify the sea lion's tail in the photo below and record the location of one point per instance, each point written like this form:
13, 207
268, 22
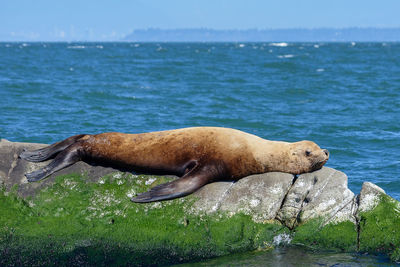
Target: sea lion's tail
50, 151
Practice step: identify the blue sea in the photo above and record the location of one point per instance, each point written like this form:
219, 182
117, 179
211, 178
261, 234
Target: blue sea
343, 96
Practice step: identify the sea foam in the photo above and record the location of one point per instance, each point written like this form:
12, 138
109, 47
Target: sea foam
76, 47
286, 56
279, 44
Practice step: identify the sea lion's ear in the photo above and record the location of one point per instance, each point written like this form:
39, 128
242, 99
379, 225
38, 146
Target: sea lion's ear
181, 187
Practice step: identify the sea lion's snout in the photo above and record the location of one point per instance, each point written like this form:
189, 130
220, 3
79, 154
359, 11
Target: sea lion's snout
320, 159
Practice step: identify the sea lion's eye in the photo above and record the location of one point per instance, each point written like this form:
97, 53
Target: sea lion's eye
308, 152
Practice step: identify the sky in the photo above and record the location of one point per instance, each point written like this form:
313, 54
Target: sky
90, 20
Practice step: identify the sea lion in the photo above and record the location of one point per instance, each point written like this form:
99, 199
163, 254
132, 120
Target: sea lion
198, 155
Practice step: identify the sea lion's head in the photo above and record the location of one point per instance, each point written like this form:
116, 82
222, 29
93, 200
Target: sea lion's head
306, 156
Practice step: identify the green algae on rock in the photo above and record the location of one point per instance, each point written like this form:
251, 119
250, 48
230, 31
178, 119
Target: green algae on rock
314, 234
83, 215
379, 222
95, 223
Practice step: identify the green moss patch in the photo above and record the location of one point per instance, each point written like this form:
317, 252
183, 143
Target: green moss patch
74, 222
340, 237
380, 228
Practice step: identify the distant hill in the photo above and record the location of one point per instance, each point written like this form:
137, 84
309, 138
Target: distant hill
271, 35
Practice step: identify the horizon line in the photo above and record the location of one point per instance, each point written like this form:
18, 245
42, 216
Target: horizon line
262, 29
216, 32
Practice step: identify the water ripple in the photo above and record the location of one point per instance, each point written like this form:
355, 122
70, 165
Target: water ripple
339, 95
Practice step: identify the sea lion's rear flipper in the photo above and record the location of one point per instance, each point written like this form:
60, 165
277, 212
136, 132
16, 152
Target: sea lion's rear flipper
66, 158
181, 187
50, 151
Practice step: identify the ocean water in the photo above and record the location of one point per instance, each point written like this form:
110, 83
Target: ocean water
294, 257
343, 96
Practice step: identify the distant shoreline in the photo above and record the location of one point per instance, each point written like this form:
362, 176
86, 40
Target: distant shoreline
205, 35
267, 35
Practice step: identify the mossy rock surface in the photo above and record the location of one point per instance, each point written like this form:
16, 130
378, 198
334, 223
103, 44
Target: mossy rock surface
74, 222
334, 236
380, 228
83, 215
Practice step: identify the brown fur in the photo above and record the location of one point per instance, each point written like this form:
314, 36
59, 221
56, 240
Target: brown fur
169, 151
201, 154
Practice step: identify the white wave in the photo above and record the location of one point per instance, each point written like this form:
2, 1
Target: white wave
286, 56
76, 47
353, 43
282, 239
316, 46
99, 46
320, 70
242, 45
279, 44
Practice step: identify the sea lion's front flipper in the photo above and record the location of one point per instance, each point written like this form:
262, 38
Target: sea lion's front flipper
181, 187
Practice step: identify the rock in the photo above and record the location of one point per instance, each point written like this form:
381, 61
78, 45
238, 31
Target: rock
314, 209
259, 196
369, 196
12, 168
8, 155
379, 222
323, 193
75, 222
210, 197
